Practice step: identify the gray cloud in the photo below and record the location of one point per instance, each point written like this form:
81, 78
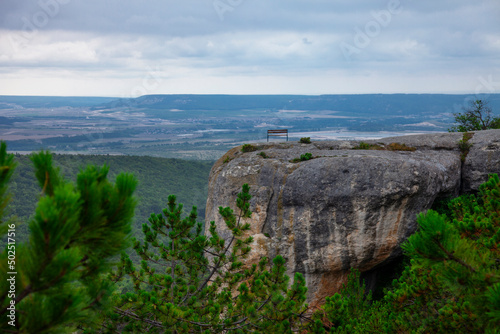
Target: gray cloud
324, 42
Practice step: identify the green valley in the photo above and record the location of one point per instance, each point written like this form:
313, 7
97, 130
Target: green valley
157, 179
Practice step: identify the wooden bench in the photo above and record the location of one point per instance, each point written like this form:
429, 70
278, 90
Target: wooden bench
277, 133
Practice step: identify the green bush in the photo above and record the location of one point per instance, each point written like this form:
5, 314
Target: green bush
390, 147
365, 146
248, 148
303, 157
263, 154
464, 145
306, 156
305, 140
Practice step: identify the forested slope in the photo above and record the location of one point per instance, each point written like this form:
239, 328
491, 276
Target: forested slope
158, 178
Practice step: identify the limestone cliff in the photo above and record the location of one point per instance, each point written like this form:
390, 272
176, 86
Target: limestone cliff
346, 207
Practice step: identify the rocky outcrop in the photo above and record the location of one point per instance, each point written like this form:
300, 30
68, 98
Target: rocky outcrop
483, 158
346, 207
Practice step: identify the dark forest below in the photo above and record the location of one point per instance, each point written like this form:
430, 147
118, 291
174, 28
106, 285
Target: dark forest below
158, 178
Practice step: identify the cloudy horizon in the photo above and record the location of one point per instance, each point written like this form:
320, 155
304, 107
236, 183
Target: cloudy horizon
130, 48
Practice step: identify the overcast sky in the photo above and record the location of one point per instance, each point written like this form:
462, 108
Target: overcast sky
128, 48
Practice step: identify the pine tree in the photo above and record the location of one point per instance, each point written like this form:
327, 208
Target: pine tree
190, 282
453, 283
58, 275
352, 310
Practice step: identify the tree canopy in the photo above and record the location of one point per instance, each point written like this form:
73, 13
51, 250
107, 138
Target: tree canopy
190, 283
56, 278
475, 117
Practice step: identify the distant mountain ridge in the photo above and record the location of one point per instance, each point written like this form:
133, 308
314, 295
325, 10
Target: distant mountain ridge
7, 101
356, 103
362, 103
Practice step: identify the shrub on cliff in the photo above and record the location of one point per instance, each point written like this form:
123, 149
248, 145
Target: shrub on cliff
248, 148
56, 278
476, 116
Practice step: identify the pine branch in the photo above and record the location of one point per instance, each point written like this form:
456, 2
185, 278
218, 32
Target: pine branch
454, 258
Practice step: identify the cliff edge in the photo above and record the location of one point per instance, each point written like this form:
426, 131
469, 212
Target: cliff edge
352, 204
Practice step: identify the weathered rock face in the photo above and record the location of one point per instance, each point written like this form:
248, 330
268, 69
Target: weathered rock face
345, 208
483, 158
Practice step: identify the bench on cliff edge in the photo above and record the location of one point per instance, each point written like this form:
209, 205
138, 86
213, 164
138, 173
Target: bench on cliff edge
277, 133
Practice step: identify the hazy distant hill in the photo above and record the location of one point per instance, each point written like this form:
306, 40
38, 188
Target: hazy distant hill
51, 101
363, 103
359, 103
